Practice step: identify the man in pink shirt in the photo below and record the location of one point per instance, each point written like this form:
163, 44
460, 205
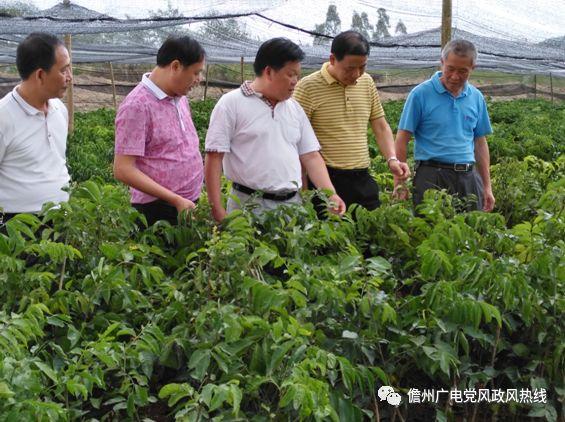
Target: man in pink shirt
157, 149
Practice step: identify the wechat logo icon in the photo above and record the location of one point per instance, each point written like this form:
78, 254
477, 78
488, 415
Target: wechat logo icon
387, 393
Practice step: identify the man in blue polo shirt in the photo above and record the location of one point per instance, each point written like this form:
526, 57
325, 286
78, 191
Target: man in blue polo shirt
449, 120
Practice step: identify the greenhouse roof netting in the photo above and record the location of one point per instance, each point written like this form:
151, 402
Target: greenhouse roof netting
228, 35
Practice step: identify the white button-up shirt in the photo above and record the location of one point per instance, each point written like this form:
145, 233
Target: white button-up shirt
33, 167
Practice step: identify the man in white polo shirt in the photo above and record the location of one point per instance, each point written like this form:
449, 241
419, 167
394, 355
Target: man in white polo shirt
262, 137
33, 128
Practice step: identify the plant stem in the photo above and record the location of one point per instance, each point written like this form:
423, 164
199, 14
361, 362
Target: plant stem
493, 356
376, 408
62, 277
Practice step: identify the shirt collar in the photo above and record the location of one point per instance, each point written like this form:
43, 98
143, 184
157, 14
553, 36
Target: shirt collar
158, 92
248, 90
28, 108
326, 74
438, 86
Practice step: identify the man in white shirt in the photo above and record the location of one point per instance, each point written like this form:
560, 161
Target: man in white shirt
263, 138
33, 128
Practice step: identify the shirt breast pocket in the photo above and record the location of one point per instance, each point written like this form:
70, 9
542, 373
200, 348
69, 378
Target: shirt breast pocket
291, 132
470, 122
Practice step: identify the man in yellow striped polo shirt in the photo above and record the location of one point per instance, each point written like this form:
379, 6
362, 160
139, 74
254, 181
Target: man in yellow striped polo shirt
340, 100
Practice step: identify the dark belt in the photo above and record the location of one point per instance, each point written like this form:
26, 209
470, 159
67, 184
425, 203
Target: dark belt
463, 167
351, 172
265, 195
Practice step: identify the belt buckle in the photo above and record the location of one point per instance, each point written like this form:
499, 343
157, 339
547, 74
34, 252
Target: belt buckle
461, 166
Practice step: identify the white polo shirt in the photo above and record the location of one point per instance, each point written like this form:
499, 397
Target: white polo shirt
262, 144
33, 167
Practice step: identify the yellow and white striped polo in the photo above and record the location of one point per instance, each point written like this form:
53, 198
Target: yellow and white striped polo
339, 115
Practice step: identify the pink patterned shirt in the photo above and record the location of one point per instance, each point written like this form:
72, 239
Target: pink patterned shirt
159, 131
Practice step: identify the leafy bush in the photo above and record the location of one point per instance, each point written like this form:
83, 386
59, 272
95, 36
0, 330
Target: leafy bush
90, 148
525, 127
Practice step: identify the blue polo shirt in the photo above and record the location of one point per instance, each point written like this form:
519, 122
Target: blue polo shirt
445, 127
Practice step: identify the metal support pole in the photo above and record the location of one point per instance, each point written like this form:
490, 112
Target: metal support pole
242, 76
206, 83
446, 22
551, 86
70, 95
113, 86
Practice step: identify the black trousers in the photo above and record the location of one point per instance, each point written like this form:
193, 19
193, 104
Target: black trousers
462, 184
158, 210
353, 186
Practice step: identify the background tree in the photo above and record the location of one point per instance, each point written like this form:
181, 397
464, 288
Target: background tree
383, 24
157, 36
16, 8
147, 37
332, 26
400, 28
224, 29
360, 23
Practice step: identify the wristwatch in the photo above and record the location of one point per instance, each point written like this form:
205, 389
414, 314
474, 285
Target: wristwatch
393, 158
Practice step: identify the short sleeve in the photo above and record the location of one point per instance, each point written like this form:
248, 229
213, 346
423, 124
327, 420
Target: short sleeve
483, 127
377, 110
411, 113
308, 140
131, 129
221, 128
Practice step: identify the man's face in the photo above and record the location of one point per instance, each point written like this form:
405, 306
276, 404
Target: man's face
348, 69
455, 72
186, 77
283, 81
56, 79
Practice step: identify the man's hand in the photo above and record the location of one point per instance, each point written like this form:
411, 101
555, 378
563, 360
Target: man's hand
399, 169
184, 207
488, 200
400, 192
337, 206
182, 204
219, 214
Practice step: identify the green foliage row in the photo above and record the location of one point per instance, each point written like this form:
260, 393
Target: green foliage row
90, 148
521, 128
283, 318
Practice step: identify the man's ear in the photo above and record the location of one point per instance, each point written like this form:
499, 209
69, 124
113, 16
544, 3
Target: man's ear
39, 75
176, 65
333, 59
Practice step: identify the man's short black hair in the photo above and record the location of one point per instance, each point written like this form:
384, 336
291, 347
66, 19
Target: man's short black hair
276, 53
350, 43
184, 49
37, 51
